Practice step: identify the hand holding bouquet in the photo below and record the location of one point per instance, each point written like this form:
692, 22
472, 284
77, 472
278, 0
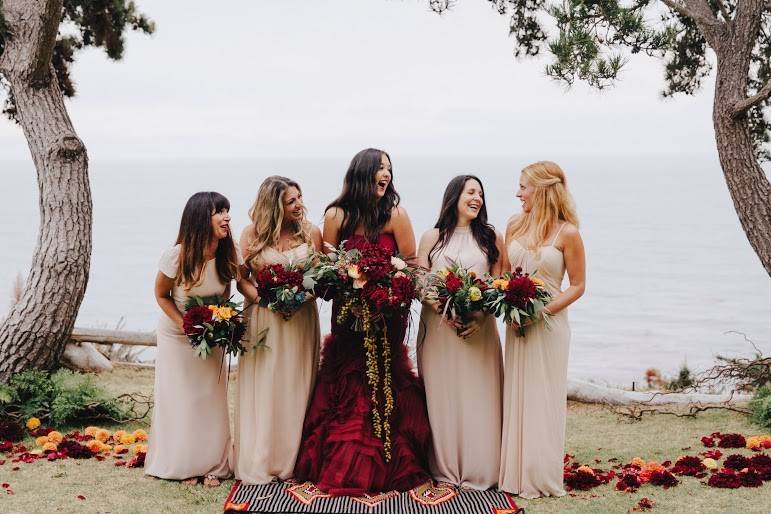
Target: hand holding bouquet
458, 295
518, 298
213, 321
281, 289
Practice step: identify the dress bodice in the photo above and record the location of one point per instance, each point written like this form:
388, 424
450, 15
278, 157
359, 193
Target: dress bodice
546, 262
384, 240
294, 256
461, 249
210, 283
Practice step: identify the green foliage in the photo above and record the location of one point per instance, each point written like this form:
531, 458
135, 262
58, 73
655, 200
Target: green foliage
88, 23
61, 398
592, 39
760, 407
684, 379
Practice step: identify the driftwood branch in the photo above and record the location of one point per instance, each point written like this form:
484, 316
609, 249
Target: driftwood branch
637, 412
90, 335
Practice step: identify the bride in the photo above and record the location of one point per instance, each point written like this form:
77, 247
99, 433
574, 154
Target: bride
340, 452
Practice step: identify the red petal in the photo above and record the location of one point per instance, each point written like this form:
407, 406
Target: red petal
80, 497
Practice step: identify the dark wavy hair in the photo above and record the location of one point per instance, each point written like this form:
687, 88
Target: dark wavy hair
195, 233
483, 232
359, 200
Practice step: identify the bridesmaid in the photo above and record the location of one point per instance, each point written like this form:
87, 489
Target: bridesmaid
275, 382
463, 374
544, 237
190, 427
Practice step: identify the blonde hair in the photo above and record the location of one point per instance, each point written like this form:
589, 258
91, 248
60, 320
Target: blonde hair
267, 215
551, 203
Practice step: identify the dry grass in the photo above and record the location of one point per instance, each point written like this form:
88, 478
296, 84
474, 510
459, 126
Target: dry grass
592, 434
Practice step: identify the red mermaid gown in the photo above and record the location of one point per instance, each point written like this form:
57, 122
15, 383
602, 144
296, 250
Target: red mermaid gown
339, 451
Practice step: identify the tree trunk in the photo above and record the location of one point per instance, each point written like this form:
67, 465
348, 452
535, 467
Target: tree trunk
747, 183
34, 333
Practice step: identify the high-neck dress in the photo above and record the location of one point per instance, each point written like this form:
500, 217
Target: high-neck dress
463, 380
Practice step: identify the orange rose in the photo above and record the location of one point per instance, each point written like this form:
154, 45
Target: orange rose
140, 435
40, 441
117, 435
128, 439
102, 435
55, 437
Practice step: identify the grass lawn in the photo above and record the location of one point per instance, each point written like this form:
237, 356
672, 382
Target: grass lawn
592, 433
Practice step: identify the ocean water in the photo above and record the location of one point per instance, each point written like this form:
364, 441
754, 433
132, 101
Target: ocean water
670, 275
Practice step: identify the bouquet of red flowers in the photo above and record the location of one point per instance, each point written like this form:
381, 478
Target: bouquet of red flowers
372, 285
517, 297
458, 292
281, 289
213, 321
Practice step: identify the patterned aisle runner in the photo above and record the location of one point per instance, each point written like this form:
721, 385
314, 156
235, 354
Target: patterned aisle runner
293, 498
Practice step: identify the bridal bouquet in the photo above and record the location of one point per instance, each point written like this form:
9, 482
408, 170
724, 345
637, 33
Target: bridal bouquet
372, 285
517, 297
281, 288
213, 321
458, 292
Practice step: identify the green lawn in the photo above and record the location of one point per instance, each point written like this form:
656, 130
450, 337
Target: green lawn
592, 433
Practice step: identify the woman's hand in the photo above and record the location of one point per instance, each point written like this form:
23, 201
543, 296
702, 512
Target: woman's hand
471, 327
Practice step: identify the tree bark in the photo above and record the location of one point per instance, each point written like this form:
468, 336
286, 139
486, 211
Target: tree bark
34, 333
747, 182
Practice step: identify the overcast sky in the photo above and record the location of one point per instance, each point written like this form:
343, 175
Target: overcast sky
273, 78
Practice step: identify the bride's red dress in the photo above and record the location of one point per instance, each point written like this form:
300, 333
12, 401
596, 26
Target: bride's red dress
339, 450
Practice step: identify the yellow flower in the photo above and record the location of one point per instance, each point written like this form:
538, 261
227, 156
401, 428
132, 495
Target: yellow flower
33, 423
226, 313
586, 469
102, 435
140, 448
710, 463
95, 445
49, 447
637, 461
500, 284
118, 434
474, 294
106, 448
55, 437
759, 442
443, 272
119, 449
140, 435
91, 431
40, 441
128, 439
537, 281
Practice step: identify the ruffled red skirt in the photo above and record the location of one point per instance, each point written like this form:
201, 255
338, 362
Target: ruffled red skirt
339, 450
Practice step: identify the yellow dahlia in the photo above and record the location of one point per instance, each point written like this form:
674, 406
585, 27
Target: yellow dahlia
586, 469
95, 445
33, 423
118, 434
102, 435
128, 439
537, 281
474, 294
500, 284
55, 437
91, 431
140, 435
49, 447
140, 448
40, 441
120, 449
758, 442
637, 461
710, 464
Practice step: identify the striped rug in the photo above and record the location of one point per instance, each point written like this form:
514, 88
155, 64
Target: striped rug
295, 498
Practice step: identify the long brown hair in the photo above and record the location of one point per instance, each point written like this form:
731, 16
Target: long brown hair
195, 234
267, 215
359, 200
483, 232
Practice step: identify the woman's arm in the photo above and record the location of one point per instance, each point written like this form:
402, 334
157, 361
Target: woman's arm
403, 233
163, 287
502, 264
333, 222
245, 285
427, 241
575, 264
316, 238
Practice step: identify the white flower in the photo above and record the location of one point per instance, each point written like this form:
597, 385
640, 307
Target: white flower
398, 263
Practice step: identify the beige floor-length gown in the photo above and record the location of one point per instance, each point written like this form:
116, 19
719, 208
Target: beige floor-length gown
535, 388
463, 379
190, 431
275, 384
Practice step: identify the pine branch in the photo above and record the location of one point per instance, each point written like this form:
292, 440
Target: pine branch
742, 107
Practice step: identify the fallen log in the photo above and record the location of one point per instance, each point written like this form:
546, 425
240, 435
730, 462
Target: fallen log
94, 335
587, 392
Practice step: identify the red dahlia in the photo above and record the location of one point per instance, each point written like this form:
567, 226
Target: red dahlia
197, 315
